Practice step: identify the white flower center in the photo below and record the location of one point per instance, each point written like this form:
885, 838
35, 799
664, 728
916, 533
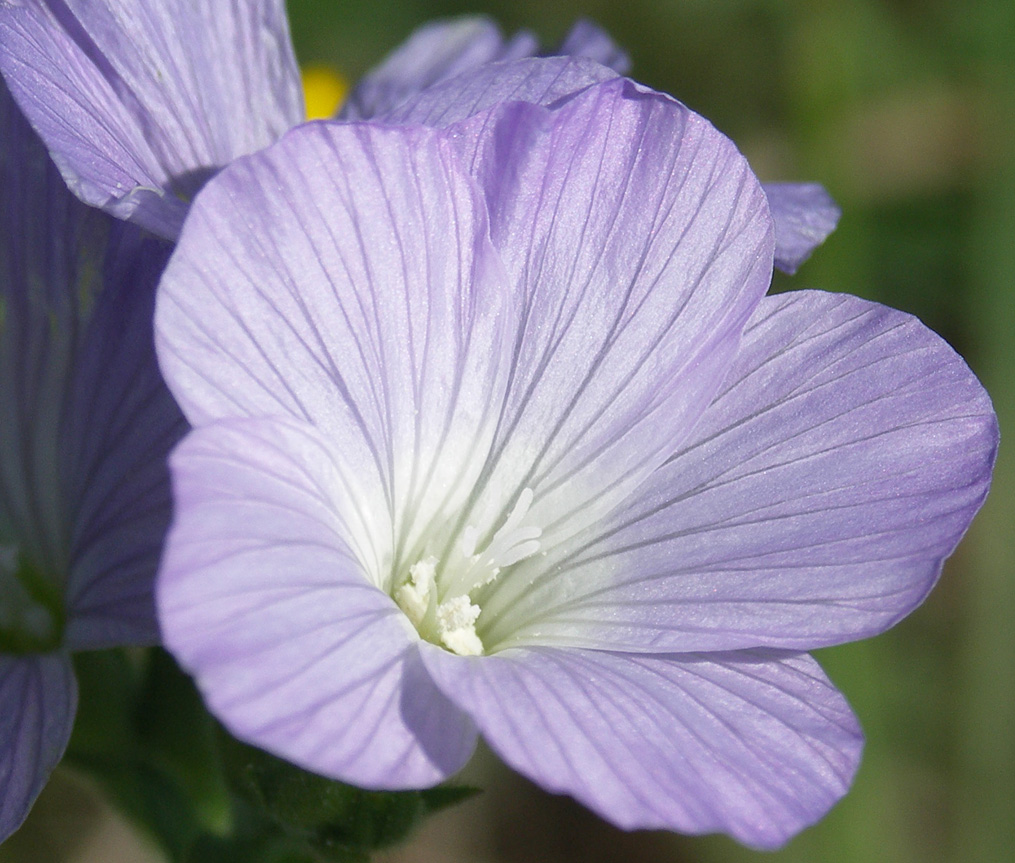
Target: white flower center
436, 597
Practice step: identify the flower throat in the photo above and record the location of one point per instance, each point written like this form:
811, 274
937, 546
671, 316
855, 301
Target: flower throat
435, 595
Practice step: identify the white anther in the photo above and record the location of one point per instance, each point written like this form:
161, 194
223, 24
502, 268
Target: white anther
456, 624
414, 596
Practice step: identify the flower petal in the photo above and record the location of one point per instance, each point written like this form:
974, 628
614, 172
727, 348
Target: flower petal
46, 244
84, 487
39, 697
458, 54
134, 99
804, 215
120, 425
262, 597
756, 745
539, 81
586, 39
814, 503
345, 277
435, 52
638, 242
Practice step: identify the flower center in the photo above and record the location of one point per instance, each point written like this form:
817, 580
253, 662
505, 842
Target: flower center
436, 596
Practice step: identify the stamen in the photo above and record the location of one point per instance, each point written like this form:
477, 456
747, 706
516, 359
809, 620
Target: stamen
451, 621
415, 596
454, 620
456, 624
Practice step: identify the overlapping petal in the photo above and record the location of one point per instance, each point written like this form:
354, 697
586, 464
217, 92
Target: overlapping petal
120, 425
34, 735
264, 597
140, 101
804, 215
459, 49
638, 242
436, 51
346, 277
814, 503
88, 422
547, 81
758, 745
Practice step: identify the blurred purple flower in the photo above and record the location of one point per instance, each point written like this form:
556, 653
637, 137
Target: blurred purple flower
444, 50
140, 101
87, 424
497, 432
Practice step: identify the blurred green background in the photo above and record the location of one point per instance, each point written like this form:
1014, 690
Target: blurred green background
905, 111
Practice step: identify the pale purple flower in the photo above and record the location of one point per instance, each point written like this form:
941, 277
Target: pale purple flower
85, 426
497, 432
140, 101
444, 50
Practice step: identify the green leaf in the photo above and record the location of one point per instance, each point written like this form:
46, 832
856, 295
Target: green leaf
149, 797
177, 734
143, 734
339, 822
107, 687
262, 848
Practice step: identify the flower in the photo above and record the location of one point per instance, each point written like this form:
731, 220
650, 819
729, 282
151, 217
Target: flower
454, 49
495, 431
86, 426
141, 102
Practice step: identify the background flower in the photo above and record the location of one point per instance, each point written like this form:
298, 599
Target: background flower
141, 102
87, 424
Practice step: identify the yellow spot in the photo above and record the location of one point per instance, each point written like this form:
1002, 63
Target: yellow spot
324, 90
